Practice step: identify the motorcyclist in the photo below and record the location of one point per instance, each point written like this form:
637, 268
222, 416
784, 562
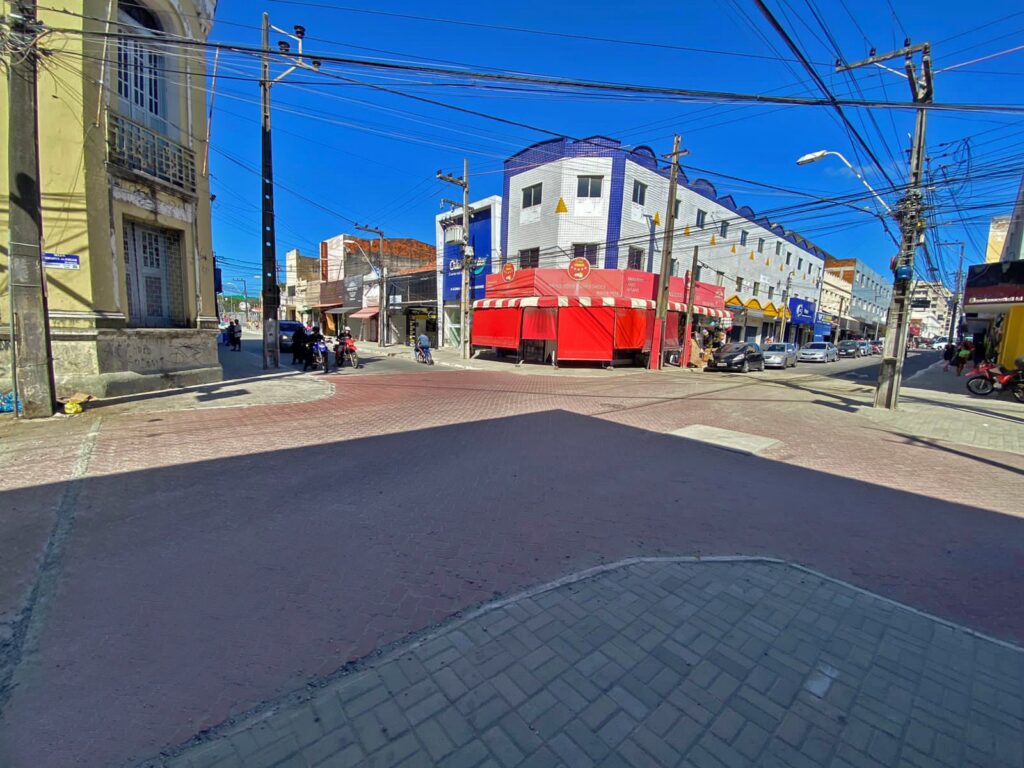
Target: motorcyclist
312, 338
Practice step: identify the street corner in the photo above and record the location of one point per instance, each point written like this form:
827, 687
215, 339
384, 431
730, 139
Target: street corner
734, 661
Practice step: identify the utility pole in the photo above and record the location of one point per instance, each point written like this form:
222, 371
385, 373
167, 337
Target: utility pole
909, 214
785, 306
31, 356
271, 290
382, 314
953, 325
839, 319
661, 308
466, 303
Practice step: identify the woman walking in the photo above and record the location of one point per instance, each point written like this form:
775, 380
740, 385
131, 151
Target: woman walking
962, 356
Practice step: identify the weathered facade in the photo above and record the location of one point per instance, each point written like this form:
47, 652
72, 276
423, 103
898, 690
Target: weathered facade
125, 196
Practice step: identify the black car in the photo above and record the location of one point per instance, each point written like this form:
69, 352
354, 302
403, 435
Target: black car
738, 356
285, 330
851, 348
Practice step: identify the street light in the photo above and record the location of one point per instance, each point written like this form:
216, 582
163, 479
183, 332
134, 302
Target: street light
813, 157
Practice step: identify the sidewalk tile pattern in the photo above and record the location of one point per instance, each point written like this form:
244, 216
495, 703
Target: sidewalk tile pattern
663, 663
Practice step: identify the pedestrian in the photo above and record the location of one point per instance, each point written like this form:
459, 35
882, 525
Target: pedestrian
962, 356
979, 353
947, 354
236, 337
299, 345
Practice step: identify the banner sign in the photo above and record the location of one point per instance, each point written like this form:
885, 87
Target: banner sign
801, 311
61, 261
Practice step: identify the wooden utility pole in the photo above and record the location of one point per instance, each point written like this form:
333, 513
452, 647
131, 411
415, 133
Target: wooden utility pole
382, 314
31, 355
661, 308
468, 258
910, 215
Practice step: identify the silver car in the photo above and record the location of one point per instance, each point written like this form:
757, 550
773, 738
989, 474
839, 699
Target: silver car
780, 355
818, 352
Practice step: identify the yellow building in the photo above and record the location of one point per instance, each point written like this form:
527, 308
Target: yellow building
125, 196
997, 229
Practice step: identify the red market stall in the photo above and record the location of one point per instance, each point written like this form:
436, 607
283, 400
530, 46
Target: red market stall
583, 313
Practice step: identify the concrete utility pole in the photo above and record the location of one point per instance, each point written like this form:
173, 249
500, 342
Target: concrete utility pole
785, 306
909, 214
382, 314
466, 303
271, 297
953, 325
31, 356
661, 308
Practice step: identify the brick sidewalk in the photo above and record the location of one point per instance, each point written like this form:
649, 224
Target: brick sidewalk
658, 664
199, 562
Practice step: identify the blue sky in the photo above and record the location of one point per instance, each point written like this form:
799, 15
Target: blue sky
353, 153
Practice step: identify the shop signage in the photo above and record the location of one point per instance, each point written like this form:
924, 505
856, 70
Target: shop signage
508, 272
1000, 283
579, 268
825, 317
61, 261
801, 311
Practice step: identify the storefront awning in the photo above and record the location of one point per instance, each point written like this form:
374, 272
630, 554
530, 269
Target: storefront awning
364, 314
340, 310
563, 301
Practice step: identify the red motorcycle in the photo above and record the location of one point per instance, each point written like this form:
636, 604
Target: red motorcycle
345, 350
989, 377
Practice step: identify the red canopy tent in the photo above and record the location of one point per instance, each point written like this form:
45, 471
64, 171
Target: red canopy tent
586, 318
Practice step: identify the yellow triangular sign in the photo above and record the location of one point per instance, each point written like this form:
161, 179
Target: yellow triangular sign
780, 267
768, 262
686, 231
712, 239
734, 249
657, 218
561, 207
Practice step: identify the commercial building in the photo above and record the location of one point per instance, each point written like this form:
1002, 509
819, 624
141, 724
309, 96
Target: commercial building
871, 294
125, 192
930, 307
836, 299
598, 200
485, 239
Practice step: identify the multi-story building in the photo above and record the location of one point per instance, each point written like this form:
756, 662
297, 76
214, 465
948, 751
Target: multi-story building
930, 306
833, 315
871, 295
1006, 233
125, 197
484, 238
596, 199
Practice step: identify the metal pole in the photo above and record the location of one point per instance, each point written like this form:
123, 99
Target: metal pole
953, 325
785, 306
383, 314
661, 310
271, 351
31, 355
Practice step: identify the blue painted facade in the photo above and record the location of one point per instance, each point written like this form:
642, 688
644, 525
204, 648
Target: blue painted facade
481, 242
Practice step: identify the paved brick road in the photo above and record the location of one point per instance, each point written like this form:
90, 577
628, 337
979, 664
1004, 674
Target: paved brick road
201, 566
659, 664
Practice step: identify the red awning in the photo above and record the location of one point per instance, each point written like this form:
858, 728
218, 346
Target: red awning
364, 314
563, 301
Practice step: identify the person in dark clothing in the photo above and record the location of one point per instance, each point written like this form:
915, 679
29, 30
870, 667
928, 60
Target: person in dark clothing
313, 337
236, 337
947, 354
298, 345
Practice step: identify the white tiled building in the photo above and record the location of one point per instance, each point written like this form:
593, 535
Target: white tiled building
596, 199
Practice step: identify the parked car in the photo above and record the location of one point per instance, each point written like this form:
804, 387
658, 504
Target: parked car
780, 355
738, 356
285, 330
818, 352
851, 348
866, 349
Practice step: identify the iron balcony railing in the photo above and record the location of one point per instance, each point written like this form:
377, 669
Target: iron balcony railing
135, 147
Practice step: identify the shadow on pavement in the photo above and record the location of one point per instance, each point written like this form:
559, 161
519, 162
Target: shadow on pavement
194, 591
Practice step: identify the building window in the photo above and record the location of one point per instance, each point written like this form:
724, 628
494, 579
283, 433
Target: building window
588, 186
698, 273
586, 251
531, 195
778, 250
635, 259
676, 212
743, 237
760, 245
739, 284
799, 264
771, 292
529, 258
639, 192
723, 229
757, 288
701, 218
789, 258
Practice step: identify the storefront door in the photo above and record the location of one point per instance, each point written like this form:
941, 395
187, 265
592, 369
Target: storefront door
147, 256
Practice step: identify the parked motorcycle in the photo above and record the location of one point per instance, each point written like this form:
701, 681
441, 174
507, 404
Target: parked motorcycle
321, 357
989, 377
345, 351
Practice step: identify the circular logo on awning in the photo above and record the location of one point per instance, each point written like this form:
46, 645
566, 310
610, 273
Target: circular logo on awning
579, 268
508, 272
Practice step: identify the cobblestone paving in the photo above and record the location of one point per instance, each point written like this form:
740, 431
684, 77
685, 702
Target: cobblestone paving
661, 663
